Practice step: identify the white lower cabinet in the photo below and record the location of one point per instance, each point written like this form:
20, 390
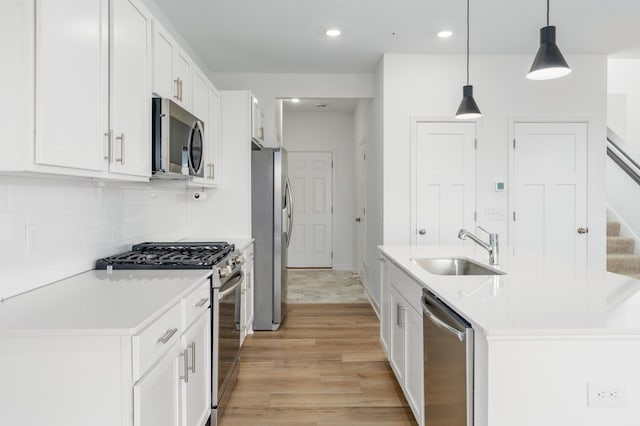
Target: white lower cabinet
195, 369
401, 329
246, 306
155, 396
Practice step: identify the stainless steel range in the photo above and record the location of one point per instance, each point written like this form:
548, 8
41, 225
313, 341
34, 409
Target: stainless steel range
227, 276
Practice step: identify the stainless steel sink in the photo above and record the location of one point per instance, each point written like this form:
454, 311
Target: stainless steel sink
455, 266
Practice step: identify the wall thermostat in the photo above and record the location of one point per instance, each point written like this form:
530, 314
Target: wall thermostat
499, 186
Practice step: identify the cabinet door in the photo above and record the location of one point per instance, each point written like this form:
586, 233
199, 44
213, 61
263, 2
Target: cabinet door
196, 391
413, 368
163, 47
213, 132
155, 396
200, 101
130, 87
397, 333
72, 83
182, 77
385, 303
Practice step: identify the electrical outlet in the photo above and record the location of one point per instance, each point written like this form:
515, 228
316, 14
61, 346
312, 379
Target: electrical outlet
607, 394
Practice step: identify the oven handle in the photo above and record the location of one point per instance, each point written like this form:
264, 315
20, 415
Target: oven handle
232, 288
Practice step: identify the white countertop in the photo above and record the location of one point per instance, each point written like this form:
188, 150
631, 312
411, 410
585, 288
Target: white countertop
121, 302
537, 295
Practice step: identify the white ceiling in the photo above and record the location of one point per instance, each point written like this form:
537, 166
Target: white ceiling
288, 35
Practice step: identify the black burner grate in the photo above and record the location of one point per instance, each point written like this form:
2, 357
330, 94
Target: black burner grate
199, 255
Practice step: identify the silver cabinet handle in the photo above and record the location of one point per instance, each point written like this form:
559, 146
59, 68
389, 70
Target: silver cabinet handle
121, 139
400, 315
178, 95
193, 357
213, 171
108, 136
167, 335
202, 302
583, 230
185, 355
181, 88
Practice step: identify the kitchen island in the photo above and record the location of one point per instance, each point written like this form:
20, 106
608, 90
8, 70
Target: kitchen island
548, 336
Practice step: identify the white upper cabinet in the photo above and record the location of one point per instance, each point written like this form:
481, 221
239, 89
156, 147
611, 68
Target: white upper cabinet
206, 106
72, 83
130, 86
171, 68
80, 78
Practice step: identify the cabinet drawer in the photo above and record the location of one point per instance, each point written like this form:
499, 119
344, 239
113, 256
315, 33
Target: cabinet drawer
156, 340
408, 288
195, 304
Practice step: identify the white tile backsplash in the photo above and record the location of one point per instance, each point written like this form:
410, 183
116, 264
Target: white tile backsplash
77, 222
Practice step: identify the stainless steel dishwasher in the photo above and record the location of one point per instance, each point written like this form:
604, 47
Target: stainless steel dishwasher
448, 365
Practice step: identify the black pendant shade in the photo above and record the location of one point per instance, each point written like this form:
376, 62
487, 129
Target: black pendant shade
549, 62
468, 107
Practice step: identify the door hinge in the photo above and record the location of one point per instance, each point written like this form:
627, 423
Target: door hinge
475, 143
364, 155
364, 211
475, 216
514, 143
332, 255
331, 209
332, 164
514, 216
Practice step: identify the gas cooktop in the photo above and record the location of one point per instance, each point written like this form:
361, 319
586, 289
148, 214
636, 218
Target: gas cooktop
169, 255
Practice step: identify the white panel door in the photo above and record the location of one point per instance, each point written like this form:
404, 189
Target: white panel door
550, 189
444, 181
130, 86
72, 83
310, 174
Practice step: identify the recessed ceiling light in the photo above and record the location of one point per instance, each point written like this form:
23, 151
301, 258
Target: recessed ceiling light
333, 32
445, 34
294, 100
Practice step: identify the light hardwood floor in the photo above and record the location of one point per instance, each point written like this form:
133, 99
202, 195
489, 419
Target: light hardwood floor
323, 367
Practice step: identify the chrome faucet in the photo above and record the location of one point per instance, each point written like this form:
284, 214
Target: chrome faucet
492, 247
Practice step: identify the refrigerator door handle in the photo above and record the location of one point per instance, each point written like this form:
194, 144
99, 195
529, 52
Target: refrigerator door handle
289, 206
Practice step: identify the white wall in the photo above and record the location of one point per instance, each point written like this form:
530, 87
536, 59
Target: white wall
77, 222
431, 86
330, 132
623, 86
268, 88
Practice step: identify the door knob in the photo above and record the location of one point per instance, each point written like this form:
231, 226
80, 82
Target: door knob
357, 219
422, 231
582, 230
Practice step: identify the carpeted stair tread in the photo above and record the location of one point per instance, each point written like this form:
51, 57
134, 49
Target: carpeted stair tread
623, 263
613, 229
620, 245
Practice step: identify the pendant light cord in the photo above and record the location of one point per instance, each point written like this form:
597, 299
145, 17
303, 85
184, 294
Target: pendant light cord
547, 13
468, 42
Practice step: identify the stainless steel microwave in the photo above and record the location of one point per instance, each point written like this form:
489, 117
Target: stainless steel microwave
177, 141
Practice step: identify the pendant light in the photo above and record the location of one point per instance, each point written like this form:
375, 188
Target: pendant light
468, 107
549, 62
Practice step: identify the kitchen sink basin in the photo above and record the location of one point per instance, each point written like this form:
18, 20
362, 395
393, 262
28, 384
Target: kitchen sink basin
455, 266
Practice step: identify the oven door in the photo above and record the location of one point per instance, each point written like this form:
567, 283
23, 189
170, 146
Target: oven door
228, 333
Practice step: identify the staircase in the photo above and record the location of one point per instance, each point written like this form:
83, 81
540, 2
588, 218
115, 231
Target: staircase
620, 257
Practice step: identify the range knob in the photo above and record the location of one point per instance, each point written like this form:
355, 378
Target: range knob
226, 271
241, 258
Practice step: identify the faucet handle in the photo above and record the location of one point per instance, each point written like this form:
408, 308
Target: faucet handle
482, 229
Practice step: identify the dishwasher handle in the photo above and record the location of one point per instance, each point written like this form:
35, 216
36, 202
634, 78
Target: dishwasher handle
461, 335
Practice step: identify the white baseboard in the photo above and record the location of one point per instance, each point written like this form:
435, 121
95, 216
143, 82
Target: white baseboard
343, 267
372, 300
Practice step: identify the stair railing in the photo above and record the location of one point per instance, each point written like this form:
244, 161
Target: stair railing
620, 156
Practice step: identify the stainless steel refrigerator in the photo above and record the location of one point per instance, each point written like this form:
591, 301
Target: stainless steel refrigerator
272, 224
